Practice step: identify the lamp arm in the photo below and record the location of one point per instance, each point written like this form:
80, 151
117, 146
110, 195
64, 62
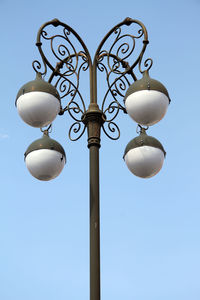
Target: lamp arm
62, 49
63, 65
116, 57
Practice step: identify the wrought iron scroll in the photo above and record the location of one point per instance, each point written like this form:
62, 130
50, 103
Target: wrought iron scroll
117, 57
69, 56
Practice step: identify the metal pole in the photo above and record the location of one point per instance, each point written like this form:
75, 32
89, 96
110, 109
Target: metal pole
94, 224
94, 120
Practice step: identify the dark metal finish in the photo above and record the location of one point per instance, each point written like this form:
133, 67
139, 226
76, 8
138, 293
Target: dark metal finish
94, 119
69, 57
45, 143
116, 58
146, 83
143, 140
38, 85
94, 223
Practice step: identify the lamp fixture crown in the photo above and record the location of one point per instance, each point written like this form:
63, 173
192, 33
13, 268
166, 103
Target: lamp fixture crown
45, 142
143, 140
38, 85
146, 83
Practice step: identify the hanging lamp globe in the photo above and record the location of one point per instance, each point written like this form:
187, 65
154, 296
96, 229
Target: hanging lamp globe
38, 102
147, 100
144, 155
45, 158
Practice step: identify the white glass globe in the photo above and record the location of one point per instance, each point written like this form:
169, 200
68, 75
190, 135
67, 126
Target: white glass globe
38, 109
147, 107
45, 164
144, 161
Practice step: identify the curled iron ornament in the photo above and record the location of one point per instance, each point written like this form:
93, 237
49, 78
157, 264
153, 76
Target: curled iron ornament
48, 129
117, 63
111, 130
116, 57
69, 59
140, 128
76, 131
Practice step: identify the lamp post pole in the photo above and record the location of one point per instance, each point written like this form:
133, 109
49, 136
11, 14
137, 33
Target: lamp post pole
38, 103
93, 121
94, 216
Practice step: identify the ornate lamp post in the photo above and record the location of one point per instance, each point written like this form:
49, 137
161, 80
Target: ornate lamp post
146, 101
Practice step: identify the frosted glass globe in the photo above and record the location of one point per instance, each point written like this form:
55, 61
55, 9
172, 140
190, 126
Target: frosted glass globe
147, 107
144, 161
38, 109
45, 164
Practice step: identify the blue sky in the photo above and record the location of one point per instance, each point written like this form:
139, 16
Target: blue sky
150, 229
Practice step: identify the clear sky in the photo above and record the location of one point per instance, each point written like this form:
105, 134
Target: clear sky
150, 229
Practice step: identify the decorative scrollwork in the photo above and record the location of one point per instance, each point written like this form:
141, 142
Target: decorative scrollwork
113, 129
64, 63
76, 128
117, 56
38, 67
147, 64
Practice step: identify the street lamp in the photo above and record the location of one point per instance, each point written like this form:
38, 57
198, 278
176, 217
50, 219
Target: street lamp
145, 100
144, 155
45, 158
